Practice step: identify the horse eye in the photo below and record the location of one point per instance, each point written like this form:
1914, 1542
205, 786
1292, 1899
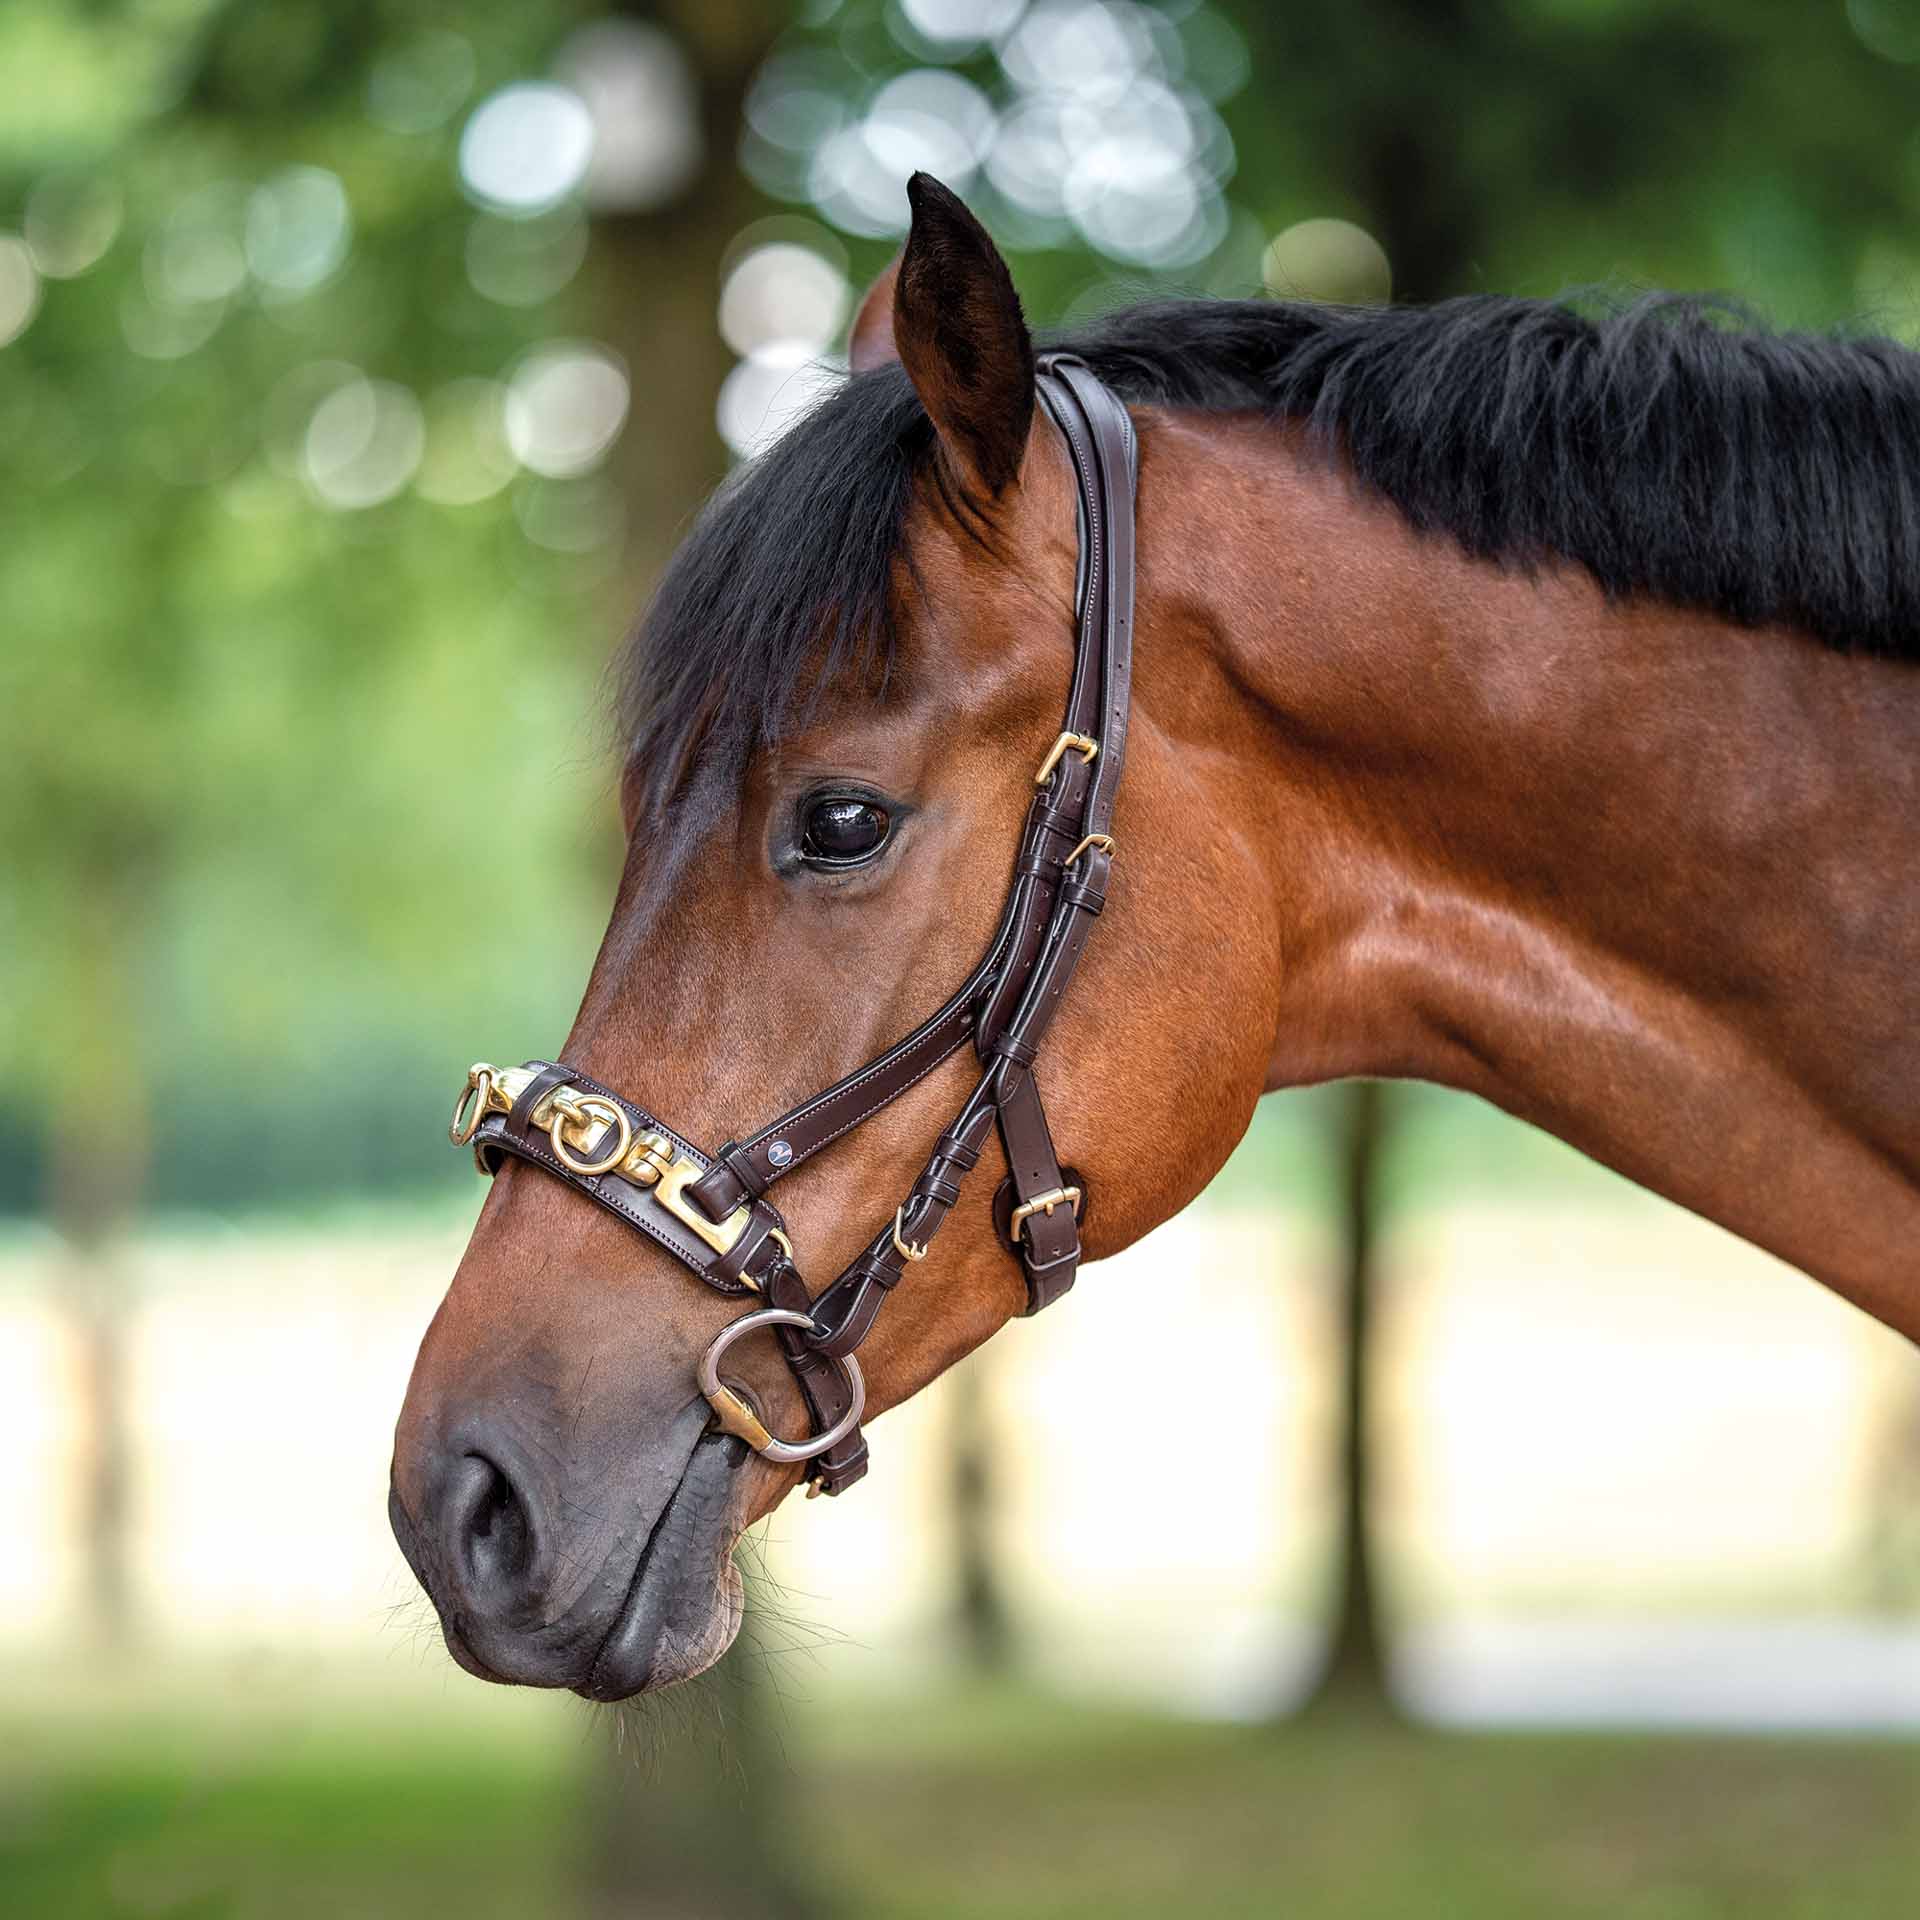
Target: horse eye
841, 831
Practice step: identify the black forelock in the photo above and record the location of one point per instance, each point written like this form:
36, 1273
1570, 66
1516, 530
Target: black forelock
1670, 447
782, 587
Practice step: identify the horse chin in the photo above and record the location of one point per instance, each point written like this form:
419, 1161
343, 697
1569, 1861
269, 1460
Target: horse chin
686, 1600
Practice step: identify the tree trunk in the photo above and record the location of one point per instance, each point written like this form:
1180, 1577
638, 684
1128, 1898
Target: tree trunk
980, 1607
687, 1808
655, 290
98, 1310
1424, 208
1890, 1536
1355, 1678
97, 1116
690, 1814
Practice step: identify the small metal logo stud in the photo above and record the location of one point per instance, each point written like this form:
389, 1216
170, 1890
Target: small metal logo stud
779, 1154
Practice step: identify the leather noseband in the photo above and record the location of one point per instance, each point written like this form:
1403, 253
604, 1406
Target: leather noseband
712, 1213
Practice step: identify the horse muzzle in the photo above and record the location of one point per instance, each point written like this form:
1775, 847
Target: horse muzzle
613, 1591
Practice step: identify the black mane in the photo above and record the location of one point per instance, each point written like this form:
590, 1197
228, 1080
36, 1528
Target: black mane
1667, 447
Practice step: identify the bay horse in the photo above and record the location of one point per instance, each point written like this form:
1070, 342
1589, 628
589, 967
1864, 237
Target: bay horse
1522, 700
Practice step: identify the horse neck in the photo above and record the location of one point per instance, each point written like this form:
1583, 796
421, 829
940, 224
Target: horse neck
1646, 879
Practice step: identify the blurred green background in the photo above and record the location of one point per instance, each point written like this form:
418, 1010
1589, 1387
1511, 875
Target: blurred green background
360, 363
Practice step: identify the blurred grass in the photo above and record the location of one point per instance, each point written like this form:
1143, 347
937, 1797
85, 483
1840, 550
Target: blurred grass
942, 1813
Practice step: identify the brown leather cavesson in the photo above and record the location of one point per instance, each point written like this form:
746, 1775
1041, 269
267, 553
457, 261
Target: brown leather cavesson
713, 1215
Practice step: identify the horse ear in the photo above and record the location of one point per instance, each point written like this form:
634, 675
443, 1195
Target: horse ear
871, 342
962, 338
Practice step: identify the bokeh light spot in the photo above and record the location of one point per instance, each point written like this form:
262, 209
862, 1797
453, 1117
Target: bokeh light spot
419, 86
767, 392
1133, 188
1330, 260
289, 408
19, 287
1890, 28
70, 223
566, 404
526, 147
1216, 58
158, 332
1077, 44
1037, 142
958, 25
363, 443
795, 102
196, 257
641, 96
931, 118
927, 119
782, 292
298, 230
521, 263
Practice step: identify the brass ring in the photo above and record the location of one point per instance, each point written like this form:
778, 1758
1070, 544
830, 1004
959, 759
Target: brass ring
591, 1105
479, 1090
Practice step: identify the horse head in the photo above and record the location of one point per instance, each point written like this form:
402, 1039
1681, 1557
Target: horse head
835, 712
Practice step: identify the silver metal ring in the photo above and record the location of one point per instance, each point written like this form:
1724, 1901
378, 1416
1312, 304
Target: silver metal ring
727, 1403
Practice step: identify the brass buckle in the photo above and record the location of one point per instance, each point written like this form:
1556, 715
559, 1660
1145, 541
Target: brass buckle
652, 1155
655, 1162
905, 1248
1044, 1203
1076, 742
671, 1192
1104, 841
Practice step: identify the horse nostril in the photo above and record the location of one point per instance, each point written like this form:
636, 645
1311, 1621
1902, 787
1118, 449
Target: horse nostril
492, 1532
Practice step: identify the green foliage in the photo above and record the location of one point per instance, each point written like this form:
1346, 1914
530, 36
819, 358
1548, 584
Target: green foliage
270, 762
1539, 145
